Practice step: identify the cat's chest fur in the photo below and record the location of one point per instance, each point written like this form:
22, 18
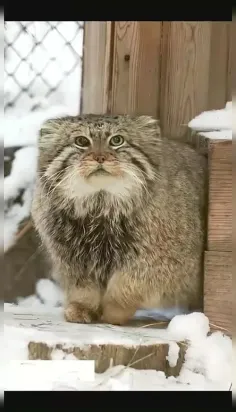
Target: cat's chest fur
97, 243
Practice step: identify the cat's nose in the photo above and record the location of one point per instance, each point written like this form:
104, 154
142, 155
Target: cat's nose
99, 158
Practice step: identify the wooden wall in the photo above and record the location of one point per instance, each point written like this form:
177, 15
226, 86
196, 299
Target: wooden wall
170, 70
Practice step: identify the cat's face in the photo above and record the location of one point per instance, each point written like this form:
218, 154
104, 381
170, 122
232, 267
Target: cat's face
86, 154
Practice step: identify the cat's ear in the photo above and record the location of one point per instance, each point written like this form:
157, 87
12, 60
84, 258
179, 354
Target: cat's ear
50, 127
150, 122
49, 130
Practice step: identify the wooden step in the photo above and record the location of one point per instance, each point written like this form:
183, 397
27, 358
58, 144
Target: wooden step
135, 345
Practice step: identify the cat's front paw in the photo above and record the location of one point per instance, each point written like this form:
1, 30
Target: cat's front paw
116, 315
77, 313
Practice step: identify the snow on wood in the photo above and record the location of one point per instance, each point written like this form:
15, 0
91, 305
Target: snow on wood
212, 125
36, 334
145, 358
213, 120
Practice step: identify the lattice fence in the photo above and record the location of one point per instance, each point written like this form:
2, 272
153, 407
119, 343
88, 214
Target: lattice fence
41, 59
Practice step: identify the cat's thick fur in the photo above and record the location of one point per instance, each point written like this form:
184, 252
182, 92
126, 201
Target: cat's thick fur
124, 225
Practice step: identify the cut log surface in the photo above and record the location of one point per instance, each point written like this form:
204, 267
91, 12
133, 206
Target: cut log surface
43, 334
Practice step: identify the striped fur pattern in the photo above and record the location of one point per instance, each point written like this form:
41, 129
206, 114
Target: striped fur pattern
121, 212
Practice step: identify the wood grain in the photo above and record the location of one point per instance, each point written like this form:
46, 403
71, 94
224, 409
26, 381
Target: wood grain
184, 74
231, 81
220, 196
218, 289
143, 357
136, 68
218, 65
96, 66
170, 70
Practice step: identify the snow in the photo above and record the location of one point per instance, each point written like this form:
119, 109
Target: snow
23, 129
49, 326
173, 354
220, 134
49, 292
215, 124
193, 326
213, 119
207, 364
21, 177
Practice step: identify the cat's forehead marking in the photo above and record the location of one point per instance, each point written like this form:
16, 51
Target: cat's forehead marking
99, 129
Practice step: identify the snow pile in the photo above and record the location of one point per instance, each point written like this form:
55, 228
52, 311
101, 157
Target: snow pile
21, 177
207, 364
23, 130
48, 295
215, 124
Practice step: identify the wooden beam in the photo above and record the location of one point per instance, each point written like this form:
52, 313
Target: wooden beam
121, 72
96, 66
218, 289
218, 75
220, 219
184, 82
231, 81
136, 68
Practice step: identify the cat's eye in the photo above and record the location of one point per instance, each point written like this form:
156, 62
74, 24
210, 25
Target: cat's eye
82, 141
116, 140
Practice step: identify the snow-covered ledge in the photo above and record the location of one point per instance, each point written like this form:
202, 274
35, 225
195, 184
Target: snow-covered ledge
42, 333
179, 357
212, 125
219, 121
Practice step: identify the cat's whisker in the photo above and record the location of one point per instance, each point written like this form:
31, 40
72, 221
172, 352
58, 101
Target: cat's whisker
50, 177
56, 175
132, 173
50, 192
68, 176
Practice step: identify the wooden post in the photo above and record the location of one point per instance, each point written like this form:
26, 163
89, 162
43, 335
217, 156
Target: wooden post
218, 279
184, 74
97, 66
218, 271
165, 69
219, 65
122, 67
136, 68
220, 219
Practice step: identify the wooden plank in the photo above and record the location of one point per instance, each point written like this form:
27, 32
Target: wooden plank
220, 196
184, 74
96, 66
136, 68
218, 289
218, 75
231, 60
